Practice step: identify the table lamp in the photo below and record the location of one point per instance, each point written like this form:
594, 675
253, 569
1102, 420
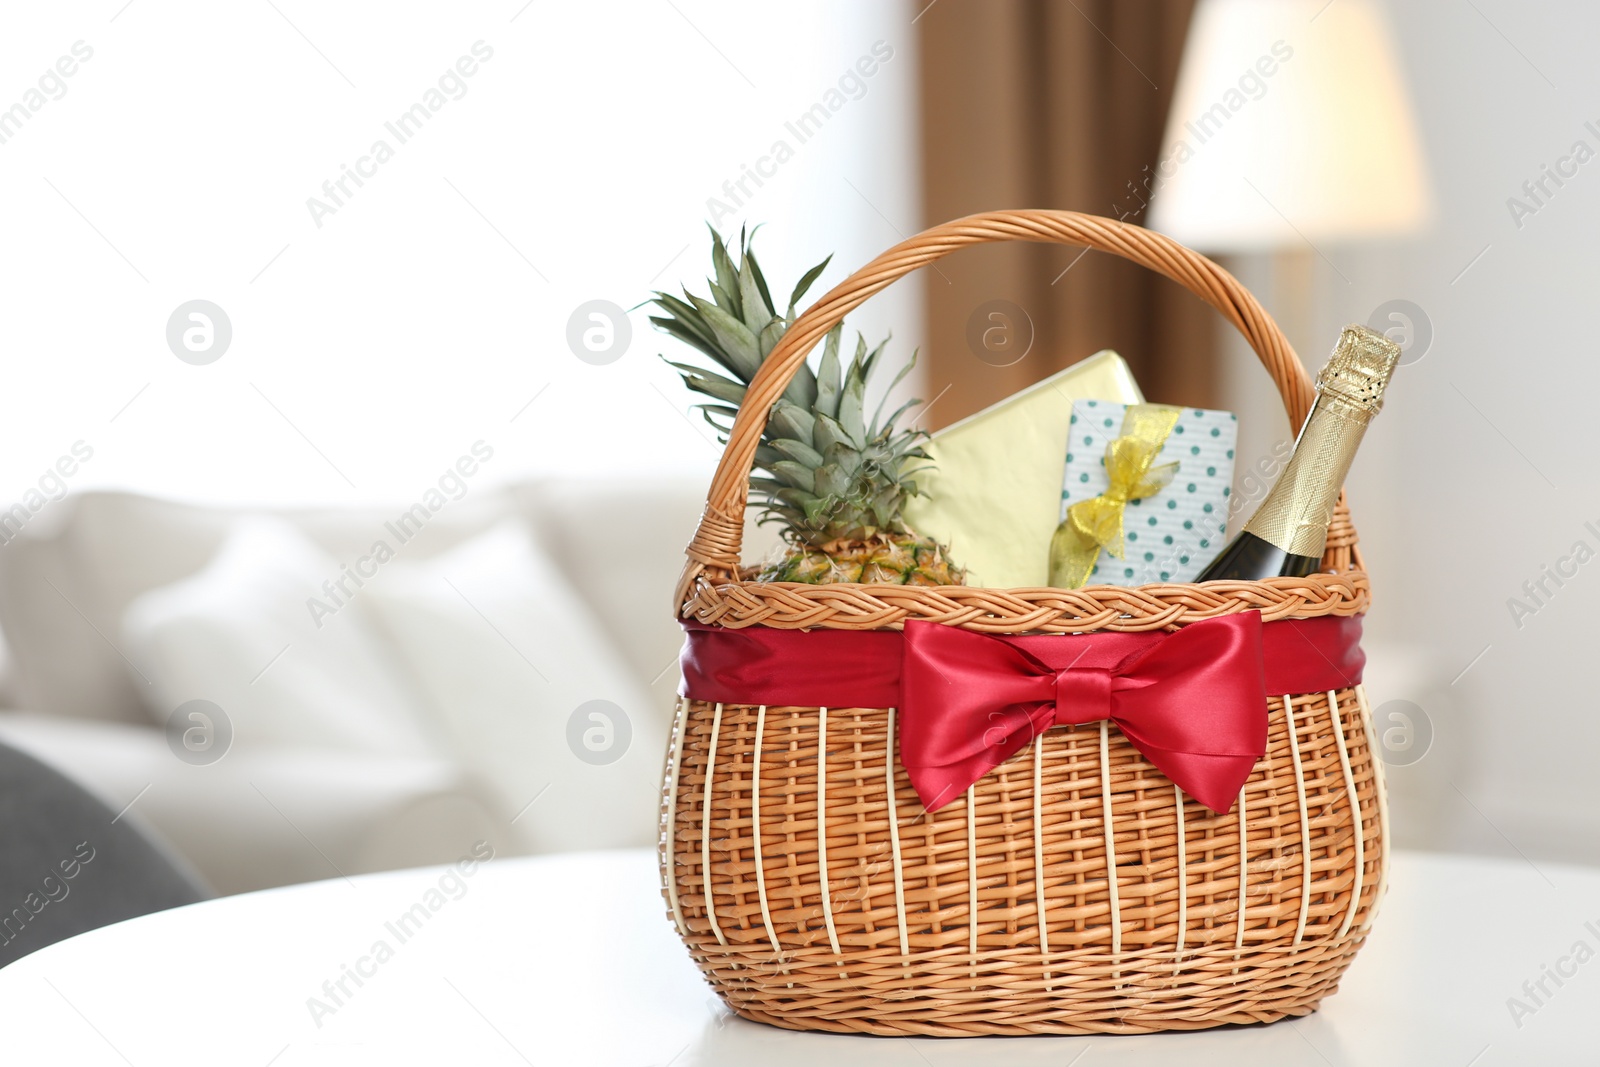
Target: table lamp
1291, 131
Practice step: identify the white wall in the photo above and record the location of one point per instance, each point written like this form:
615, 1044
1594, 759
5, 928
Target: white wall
1480, 470
430, 308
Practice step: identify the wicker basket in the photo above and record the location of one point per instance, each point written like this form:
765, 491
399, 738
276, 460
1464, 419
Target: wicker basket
995, 914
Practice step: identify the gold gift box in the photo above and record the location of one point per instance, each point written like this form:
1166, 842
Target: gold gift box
995, 497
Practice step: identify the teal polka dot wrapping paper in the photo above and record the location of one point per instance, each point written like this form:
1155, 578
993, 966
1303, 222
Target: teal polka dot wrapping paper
1169, 537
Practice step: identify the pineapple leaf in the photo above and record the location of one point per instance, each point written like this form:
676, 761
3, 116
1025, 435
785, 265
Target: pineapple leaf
760, 316
754, 270
673, 305
802, 390
843, 456
684, 322
829, 434
888, 427
708, 410
886, 505
756, 312
827, 402
851, 402
797, 498
831, 480
805, 283
795, 474
727, 277
709, 382
684, 315
788, 518
717, 409
816, 511
770, 335
725, 300
864, 359
738, 344
798, 451
690, 337
790, 421
884, 399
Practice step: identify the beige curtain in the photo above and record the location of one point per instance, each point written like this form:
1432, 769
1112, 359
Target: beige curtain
1060, 104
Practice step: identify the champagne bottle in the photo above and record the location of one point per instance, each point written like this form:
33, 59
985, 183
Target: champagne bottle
1287, 533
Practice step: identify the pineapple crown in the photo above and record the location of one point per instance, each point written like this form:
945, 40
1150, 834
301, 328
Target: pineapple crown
827, 472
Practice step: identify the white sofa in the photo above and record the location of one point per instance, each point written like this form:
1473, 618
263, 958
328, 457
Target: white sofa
270, 812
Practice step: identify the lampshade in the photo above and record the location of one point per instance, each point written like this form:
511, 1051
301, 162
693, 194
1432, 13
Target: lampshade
1290, 123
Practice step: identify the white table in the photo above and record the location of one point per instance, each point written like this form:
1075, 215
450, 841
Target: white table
571, 960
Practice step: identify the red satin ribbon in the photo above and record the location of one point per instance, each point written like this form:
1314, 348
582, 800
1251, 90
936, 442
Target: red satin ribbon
1192, 701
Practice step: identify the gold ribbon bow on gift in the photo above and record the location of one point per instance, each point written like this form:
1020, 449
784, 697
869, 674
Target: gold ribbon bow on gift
1096, 523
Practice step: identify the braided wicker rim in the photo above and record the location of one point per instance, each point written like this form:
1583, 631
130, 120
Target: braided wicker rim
712, 591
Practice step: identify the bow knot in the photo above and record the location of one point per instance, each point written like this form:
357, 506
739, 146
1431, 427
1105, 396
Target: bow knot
1194, 703
1082, 695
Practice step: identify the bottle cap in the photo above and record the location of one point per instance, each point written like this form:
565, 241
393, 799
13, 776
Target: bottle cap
1360, 368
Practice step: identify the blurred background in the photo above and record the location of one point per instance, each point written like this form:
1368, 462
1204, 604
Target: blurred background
288, 283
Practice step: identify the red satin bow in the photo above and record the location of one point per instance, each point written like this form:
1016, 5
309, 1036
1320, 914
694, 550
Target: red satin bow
1193, 702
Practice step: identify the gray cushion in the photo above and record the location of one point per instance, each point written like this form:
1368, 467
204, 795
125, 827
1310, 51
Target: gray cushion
68, 864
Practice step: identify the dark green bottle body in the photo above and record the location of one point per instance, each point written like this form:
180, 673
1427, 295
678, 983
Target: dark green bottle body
1249, 558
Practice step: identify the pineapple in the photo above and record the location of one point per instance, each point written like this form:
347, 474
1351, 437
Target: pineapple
833, 480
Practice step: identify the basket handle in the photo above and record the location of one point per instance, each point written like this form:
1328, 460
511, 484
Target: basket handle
714, 550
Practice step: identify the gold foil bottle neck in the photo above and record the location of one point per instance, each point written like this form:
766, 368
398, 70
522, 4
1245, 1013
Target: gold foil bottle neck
1360, 368
1296, 514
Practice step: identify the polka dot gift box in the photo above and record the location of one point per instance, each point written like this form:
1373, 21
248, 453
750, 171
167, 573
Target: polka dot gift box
1172, 533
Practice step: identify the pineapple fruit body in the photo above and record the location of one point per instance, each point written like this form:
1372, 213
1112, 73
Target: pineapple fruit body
889, 559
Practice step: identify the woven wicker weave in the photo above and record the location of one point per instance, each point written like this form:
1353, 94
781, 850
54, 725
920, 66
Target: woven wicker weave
995, 915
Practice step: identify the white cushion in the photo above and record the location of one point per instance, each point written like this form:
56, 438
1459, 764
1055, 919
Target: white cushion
242, 635
67, 581
508, 651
